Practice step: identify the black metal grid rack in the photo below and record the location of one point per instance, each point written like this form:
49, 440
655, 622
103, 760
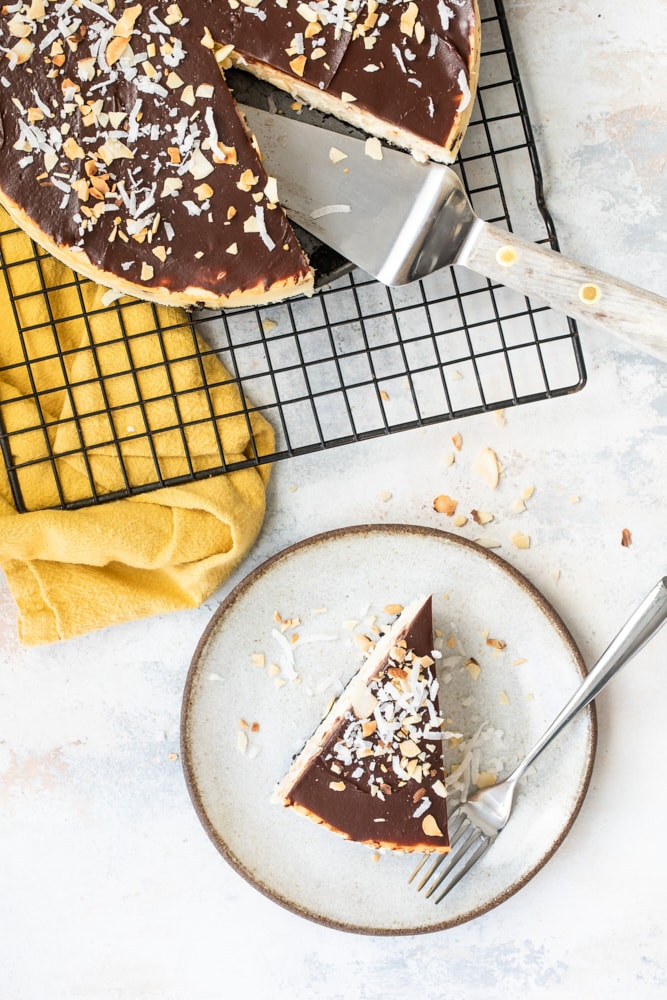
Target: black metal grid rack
104, 399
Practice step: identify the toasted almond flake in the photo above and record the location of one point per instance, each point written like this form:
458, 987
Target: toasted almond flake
496, 643
337, 786
504, 700
457, 441
518, 506
409, 18
444, 504
485, 779
188, 95
363, 642
72, 149
486, 465
430, 827
337, 155
271, 190
114, 149
626, 538
460, 520
363, 701
409, 749
487, 543
373, 148
575, 499
520, 541
499, 416
481, 516
298, 65
199, 166
258, 659
393, 609
241, 741
147, 271
347, 98
449, 458
274, 670
115, 49
384, 496
527, 493
225, 154
203, 192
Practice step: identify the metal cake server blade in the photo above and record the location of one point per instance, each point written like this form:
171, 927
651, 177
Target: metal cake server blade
400, 220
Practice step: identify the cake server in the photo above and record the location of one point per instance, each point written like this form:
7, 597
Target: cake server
400, 220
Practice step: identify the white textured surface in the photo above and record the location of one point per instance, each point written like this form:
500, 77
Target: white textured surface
109, 887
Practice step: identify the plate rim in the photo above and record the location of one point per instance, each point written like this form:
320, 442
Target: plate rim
545, 607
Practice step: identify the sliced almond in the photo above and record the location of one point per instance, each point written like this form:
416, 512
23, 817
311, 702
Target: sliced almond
444, 504
430, 827
486, 465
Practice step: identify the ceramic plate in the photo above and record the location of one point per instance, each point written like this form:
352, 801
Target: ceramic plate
260, 682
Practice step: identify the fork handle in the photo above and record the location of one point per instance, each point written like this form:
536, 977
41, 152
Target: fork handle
636, 632
585, 294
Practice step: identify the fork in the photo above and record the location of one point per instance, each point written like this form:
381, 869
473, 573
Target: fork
475, 823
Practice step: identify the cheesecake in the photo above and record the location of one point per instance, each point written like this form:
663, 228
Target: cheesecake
124, 154
373, 770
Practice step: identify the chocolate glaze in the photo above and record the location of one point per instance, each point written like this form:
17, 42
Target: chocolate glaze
186, 225
354, 811
413, 84
50, 138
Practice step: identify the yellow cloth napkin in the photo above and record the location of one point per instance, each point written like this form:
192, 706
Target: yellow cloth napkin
106, 374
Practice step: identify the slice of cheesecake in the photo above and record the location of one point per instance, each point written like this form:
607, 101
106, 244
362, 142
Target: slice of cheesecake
373, 770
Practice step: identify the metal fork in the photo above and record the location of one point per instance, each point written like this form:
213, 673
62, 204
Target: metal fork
475, 823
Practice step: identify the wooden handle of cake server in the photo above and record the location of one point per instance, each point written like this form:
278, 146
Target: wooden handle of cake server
585, 294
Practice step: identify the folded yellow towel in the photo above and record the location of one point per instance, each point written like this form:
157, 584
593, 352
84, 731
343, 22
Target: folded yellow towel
74, 571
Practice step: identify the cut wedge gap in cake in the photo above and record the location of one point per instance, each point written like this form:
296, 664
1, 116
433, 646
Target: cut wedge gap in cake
373, 770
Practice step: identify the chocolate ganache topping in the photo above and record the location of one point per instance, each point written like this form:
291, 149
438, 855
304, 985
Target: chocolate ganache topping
376, 772
121, 149
408, 64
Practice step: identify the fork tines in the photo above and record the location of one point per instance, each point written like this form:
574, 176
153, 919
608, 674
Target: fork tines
468, 843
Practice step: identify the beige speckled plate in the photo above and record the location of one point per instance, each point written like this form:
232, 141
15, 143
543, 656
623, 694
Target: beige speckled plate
331, 582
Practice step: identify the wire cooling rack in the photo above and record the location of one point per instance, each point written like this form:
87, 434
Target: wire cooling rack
107, 399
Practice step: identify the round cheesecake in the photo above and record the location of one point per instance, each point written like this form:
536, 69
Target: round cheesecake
122, 151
